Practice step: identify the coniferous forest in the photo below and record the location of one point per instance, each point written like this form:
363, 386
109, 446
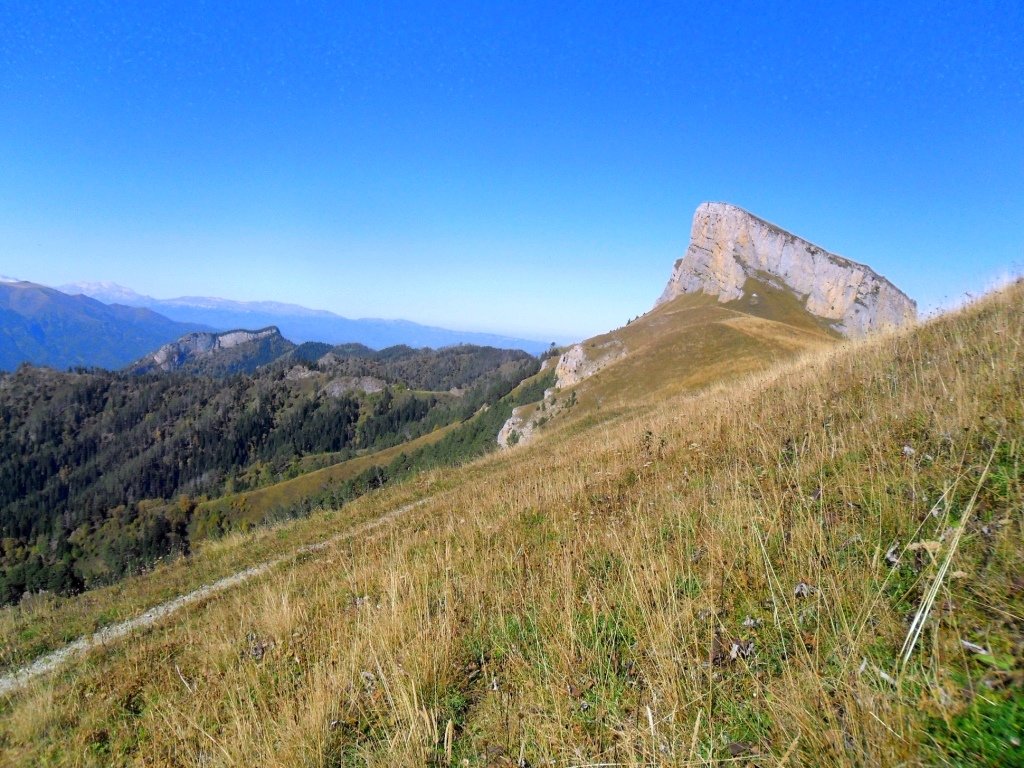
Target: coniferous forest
100, 472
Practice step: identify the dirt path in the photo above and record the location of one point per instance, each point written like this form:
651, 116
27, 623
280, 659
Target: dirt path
51, 661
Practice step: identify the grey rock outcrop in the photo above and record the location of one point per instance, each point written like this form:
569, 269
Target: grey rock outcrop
521, 427
194, 346
366, 384
729, 245
576, 364
518, 426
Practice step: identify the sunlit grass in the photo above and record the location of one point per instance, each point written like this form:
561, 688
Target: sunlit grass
722, 577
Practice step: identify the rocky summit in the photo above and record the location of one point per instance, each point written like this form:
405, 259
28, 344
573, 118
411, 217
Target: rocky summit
729, 246
217, 353
198, 344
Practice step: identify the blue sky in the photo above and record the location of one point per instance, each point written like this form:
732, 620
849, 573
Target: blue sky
515, 167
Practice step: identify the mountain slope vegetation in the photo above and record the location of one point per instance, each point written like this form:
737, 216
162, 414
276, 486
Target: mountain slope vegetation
681, 345
734, 576
101, 472
443, 369
694, 340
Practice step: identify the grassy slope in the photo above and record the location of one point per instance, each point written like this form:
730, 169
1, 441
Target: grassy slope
560, 603
690, 343
693, 341
257, 505
47, 621
44, 622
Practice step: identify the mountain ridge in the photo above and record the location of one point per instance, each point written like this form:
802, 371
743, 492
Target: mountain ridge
43, 326
718, 318
217, 353
301, 324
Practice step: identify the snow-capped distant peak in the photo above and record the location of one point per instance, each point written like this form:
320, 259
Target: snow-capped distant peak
265, 307
6, 279
105, 291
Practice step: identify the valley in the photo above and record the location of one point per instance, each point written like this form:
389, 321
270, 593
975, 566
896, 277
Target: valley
104, 473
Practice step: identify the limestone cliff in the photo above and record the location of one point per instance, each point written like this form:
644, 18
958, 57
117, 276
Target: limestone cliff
728, 246
345, 384
217, 353
576, 364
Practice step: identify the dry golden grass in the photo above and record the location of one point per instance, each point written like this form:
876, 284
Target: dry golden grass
578, 601
693, 341
46, 621
41, 623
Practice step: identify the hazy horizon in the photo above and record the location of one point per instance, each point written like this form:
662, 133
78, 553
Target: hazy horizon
513, 169
135, 298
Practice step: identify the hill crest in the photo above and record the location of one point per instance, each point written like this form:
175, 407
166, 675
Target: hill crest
247, 350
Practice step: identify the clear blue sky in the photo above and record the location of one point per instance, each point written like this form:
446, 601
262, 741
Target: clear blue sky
527, 168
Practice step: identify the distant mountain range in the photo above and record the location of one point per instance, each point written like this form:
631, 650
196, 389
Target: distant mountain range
297, 323
46, 327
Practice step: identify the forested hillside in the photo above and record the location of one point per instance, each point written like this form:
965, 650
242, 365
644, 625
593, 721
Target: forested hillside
438, 370
101, 472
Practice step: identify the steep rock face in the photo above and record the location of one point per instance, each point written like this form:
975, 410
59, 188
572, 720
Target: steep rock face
343, 384
518, 426
729, 245
576, 365
171, 356
195, 347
